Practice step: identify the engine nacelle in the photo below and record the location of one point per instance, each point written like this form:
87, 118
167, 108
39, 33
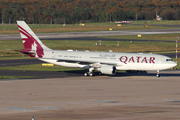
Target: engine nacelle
110, 70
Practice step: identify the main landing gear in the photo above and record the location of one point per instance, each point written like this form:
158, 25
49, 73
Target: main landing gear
158, 74
90, 73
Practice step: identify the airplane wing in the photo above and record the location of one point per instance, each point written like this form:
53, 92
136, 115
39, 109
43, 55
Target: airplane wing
89, 62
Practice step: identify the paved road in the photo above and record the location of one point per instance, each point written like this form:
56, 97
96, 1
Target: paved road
89, 98
158, 25
4, 63
47, 36
58, 74
41, 74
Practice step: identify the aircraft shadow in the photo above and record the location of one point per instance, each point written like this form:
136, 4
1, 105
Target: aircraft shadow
122, 74
148, 74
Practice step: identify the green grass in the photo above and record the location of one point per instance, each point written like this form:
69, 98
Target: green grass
124, 46
164, 22
16, 77
39, 67
178, 62
11, 44
54, 28
15, 58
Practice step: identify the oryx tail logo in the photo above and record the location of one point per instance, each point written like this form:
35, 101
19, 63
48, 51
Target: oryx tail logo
30, 43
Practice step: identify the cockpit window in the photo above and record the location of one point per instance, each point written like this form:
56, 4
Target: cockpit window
169, 60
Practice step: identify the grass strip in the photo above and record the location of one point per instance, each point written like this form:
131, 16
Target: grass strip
157, 22
54, 28
80, 45
14, 58
39, 67
16, 77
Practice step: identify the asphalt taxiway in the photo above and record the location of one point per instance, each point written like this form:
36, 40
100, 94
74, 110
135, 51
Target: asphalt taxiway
92, 98
55, 36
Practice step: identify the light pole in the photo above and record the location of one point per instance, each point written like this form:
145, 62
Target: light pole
177, 38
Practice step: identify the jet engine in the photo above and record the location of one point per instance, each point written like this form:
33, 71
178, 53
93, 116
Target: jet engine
110, 70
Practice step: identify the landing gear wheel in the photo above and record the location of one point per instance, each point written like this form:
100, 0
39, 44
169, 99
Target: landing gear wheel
91, 74
158, 75
85, 74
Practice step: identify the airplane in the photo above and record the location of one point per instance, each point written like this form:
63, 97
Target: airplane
104, 62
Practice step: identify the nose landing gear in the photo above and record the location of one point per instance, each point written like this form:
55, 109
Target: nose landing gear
158, 74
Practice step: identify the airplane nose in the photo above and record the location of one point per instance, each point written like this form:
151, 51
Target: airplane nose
174, 64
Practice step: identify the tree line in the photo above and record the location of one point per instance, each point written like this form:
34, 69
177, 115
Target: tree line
74, 11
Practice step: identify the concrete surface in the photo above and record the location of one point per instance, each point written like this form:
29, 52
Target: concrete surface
56, 36
92, 98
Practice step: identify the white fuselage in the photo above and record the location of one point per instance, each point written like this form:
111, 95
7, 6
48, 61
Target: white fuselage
122, 61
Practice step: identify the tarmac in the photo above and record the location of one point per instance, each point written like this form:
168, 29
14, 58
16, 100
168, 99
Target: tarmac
92, 98
71, 96
86, 35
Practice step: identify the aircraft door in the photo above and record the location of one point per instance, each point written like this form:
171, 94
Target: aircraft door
53, 55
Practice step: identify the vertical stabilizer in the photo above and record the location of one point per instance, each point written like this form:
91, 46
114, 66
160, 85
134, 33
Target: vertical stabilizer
30, 40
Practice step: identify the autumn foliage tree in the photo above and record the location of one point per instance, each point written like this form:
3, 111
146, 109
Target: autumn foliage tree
72, 11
